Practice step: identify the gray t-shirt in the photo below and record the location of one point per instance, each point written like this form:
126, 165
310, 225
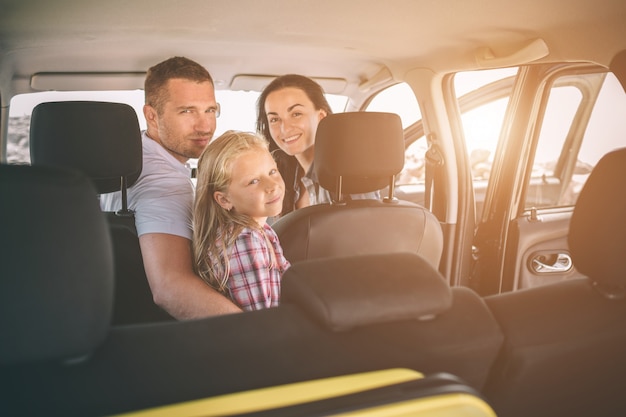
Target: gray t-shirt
163, 195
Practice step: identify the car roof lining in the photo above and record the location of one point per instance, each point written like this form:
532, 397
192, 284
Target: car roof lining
349, 40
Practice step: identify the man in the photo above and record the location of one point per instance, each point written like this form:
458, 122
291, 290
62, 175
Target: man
180, 111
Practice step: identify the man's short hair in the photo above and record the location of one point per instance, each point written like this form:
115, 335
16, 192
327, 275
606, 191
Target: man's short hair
175, 67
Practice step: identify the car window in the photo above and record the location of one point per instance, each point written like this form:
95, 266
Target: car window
583, 120
483, 97
400, 99
238, 112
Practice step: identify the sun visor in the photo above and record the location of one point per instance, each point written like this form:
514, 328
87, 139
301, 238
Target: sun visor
87, 81
249, 82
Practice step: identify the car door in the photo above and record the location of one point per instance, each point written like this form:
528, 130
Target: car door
560, 120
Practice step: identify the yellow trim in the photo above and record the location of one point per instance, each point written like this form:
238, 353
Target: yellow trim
447, 405
281, 396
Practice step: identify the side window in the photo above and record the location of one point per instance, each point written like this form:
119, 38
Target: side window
414, 171
483, 97
401, 100
584, 119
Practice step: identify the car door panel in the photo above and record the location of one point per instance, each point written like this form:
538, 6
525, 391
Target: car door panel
564, 118
543, 253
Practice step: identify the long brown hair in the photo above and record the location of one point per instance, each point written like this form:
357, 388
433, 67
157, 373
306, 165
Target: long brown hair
287, 164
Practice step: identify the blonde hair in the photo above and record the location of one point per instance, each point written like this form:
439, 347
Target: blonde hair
215, 229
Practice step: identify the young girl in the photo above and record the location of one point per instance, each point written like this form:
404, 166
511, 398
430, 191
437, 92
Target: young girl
235, 250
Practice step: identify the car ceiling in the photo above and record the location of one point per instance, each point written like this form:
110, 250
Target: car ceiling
355, 40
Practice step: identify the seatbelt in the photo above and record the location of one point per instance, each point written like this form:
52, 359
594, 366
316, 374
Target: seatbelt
434, 162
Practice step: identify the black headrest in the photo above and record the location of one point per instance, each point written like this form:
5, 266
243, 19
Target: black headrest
364, 148
103, 140
343, 293
597, 235
56, 291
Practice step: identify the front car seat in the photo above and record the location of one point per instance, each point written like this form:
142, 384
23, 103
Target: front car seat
102, 140
356, 153
565, 342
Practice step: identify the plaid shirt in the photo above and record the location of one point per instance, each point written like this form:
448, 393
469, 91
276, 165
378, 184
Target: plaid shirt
253, 283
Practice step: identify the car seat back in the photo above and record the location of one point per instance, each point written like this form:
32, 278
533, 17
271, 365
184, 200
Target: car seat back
355, 153
102, 140
56, 291
417, 323
567, 340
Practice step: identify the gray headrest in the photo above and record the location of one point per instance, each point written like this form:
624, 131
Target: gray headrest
103, 140
56, 291
364, 148
597, 235
343, 293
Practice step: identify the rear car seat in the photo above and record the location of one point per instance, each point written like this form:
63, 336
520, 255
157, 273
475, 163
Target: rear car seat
388, 392
60, 356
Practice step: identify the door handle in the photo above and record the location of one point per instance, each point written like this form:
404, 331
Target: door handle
551, 263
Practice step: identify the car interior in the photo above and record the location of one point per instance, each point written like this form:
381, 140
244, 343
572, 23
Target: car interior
450, 296
324, 327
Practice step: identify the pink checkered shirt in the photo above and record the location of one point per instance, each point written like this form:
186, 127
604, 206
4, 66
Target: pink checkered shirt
253, 284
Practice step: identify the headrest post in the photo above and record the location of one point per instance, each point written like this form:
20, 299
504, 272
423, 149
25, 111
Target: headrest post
339, 198
124, 211
392, 185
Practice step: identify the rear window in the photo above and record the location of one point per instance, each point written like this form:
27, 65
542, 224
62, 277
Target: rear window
238, 112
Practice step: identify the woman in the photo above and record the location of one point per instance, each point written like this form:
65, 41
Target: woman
288, 111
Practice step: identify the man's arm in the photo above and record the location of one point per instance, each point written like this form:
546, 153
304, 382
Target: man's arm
175, 287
